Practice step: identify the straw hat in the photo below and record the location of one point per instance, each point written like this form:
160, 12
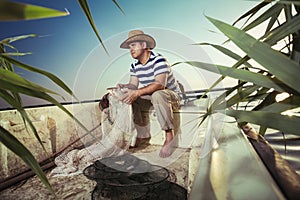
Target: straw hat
138, 35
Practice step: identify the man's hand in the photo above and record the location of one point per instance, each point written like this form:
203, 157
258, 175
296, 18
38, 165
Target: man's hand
130, 96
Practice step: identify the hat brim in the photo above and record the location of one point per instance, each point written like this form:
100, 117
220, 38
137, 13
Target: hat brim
141, 37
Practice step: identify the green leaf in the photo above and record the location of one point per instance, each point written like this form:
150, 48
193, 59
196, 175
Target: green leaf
51, 76
240, 74
16, 54
45, 96
287, 104
87, 12
15, 102
239, 96
252, 12
8, 77
271, 12
282, 31
119, 6
268, 100
284, 123
19, 149
220, 101
259, 95
12, 11
272, 60
228, 53
50, 99
16, 38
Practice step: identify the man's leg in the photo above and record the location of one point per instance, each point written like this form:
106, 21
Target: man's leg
164, 103
140, 109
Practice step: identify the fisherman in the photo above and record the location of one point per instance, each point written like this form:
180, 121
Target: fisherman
151, 83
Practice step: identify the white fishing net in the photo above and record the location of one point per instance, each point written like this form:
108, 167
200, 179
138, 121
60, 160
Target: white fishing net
117, 132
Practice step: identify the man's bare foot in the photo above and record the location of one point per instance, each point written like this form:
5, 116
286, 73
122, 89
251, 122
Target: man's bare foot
167, 148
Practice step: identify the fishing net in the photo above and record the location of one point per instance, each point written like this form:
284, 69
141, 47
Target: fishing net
117, 130
127, 177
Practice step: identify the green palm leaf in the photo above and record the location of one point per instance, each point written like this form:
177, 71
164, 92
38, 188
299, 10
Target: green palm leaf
289, 27
51, 76
85, 8
221, 98
287, 104
11, 11
117, 4
10, 78
16, 38
240, 74
239, 97
228, 53
270, 59
15, 102
270, 13
284, 123
42, 95
252, 12
19, 149
7, 43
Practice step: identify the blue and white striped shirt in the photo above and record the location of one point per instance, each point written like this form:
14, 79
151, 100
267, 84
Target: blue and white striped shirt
156, 65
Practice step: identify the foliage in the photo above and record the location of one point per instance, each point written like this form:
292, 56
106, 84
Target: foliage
274, 71
13, 85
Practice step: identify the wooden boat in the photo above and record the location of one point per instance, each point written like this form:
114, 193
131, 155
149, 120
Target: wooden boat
213, 161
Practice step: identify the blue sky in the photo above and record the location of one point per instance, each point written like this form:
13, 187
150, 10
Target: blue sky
68, 43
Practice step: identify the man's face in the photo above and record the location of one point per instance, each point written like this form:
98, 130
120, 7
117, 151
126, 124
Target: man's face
137, 49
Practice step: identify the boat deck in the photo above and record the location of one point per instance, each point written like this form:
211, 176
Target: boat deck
212, 161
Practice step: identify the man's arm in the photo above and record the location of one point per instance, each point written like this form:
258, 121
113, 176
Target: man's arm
133, 83
158, 84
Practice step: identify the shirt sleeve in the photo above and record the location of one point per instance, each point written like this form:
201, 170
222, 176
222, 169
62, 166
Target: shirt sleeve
161, 66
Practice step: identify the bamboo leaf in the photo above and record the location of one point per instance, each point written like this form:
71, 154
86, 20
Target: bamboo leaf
14, 79
287, 124
240, 74
268, 100
292, 2
16, 54
16, 38
220, 101
272, 21
271, 12
51, 76
239, 96
117, 4
7, 43
261, 94
270, 59
15, 102
227, 52
287, 104
262, 130
8, 98
282, 31
236, 65
19, 149
252, 11
86, 10
45, 96
11, 11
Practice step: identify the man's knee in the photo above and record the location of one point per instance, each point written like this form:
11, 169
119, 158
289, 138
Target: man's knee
158, 96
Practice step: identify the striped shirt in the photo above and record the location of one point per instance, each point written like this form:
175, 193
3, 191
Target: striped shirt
156, 65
